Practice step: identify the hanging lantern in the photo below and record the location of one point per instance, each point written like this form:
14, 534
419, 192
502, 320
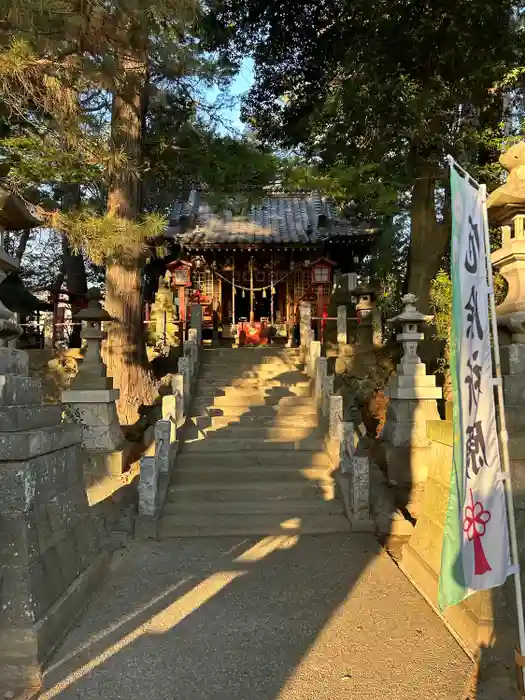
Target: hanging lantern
243, 293
264, 293
273, 290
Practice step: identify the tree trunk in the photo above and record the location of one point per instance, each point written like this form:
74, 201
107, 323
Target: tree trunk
428, 241
76, 284
73, 263
125, 348
22, 244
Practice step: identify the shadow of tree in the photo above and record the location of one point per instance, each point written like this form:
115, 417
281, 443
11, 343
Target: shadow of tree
278, 616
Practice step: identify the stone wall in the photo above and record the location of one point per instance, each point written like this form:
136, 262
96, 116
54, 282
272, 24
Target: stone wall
484, 621
51, 559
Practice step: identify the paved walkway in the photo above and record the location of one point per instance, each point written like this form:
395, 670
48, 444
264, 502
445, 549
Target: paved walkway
325, 617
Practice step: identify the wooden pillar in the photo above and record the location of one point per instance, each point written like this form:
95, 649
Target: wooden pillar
233, 291
182, 303
252, 295
287, 301
272, 311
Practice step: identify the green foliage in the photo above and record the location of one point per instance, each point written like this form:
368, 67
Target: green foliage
341, 85
441, 304
441, 301
358, 188
106, 236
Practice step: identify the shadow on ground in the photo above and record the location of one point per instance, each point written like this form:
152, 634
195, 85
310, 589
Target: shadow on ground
283, 617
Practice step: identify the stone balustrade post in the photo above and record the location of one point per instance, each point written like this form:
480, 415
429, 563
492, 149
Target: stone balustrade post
185, 371
165, 442
321, 376
413, 401
148, 486
196, 321
328, 392
177, 387
335, 417
342, 336
193, 336
314, 355
305, 322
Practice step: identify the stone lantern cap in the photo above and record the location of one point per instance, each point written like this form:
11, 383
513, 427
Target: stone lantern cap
508, 201
94, 312
410, 315
363, 289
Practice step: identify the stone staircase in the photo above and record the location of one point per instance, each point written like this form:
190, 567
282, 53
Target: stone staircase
252, 458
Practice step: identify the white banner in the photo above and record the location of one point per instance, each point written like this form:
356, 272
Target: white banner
481, 493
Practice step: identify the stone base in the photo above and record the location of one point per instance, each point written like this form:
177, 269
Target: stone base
29, 647
483, 621
342, 482
51, 554
407, 470
104, 463
472, 631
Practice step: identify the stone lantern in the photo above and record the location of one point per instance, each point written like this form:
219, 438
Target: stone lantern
91, 397
365, 303
506, 209
368, 314
413, 394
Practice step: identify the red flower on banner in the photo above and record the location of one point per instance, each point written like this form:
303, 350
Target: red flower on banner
475, 525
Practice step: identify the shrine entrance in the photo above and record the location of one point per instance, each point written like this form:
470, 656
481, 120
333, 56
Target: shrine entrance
261, 306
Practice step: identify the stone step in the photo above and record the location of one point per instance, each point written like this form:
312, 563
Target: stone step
232, 445
290, 402
260, 352
213, 525
286, 433
251, 394
287, 378
249, 420
15, 418
298, 379
266, 410
209, 375
178, 504
302, 459
251, 351
24, 445
240, 366
264, 492
19, 391
247, 474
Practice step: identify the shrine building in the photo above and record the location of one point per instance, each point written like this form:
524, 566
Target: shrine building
257, 268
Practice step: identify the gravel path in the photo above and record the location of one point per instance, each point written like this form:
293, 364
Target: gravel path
326, 617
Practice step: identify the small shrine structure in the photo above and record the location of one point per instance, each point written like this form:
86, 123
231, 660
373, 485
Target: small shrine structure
253, 270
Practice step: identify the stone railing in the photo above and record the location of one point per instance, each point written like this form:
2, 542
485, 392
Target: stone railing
155, 474
157, 466
352, 467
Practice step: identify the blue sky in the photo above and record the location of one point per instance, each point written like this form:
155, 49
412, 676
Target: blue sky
240, 85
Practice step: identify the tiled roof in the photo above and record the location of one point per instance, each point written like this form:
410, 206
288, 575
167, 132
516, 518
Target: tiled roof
278, 219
